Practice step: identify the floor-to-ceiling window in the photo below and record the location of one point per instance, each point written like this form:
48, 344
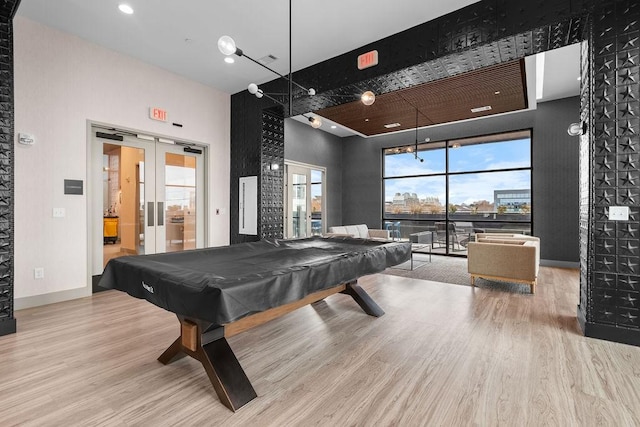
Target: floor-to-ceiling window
442, 193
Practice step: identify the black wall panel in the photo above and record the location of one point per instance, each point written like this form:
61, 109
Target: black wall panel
7, 320
254, 149
609, 289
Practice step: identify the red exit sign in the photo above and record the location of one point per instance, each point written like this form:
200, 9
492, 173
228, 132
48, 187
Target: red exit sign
368, 59
158, 114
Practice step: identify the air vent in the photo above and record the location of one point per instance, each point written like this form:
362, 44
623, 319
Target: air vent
392, 125
267, 59
479, 109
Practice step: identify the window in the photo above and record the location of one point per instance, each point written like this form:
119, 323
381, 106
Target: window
454, 189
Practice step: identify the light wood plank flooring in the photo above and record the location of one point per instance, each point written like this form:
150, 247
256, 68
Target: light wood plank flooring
442, 355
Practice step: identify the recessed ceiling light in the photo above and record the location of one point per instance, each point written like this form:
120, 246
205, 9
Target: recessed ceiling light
125, 8
392, 125
366, 120
229, 60
579, 78
334, 126
479, 109
496, 92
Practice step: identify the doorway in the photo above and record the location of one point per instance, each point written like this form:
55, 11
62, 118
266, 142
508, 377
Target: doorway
148, 196
304, 200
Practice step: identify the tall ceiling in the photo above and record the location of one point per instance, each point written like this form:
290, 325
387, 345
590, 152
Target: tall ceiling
181, 36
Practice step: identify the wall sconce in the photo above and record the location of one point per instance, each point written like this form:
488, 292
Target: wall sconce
272, 167
577, 129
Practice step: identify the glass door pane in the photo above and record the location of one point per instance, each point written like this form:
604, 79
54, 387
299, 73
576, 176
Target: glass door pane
316, 202
299, 205
123, 188
180, 199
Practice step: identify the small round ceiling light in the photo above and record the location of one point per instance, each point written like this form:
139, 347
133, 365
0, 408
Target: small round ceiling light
368, 98
333, 126
229, 59
125, 8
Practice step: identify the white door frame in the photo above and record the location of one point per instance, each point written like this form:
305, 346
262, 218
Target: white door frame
322, 169
94, 190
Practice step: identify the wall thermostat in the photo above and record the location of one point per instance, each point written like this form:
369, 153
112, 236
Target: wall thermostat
26, 139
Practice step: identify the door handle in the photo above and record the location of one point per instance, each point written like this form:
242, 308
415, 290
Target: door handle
160, 214
150, 212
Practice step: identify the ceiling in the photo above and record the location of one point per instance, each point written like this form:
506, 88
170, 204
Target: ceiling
497, 89
181, 37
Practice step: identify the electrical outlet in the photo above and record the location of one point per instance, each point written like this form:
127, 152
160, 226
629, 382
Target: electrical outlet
38, 273
619, 213
58, 212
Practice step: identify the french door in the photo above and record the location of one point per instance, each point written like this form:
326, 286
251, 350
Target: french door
148, 196
304, 212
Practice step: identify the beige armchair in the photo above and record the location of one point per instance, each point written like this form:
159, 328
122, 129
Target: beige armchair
360, 231
510, 258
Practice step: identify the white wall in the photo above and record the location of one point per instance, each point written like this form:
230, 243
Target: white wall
61, 83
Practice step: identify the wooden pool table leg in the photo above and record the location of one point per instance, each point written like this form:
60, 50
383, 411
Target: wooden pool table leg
363, 299
212, 350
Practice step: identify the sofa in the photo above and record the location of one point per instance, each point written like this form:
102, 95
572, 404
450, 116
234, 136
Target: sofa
360, 231
506, 257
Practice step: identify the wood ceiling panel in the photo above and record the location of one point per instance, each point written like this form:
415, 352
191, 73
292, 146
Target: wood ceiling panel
440, 101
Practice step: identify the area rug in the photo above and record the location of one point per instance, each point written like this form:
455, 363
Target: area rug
452, 270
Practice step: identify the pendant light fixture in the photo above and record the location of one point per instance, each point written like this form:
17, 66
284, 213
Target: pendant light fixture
227, 46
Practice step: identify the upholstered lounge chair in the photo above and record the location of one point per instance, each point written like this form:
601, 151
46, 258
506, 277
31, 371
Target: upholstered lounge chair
510, 258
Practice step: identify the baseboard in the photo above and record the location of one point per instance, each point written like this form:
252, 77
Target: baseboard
559, 264
608, 332
52, 298
7, 327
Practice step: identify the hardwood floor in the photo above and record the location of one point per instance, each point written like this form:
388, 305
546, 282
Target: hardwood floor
442, 355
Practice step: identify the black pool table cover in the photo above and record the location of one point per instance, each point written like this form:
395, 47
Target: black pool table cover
224, 284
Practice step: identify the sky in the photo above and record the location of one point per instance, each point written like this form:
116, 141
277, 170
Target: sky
466, 188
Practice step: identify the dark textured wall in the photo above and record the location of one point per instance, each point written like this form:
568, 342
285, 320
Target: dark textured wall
554, 163
257, 133
610, 286
304, 144
271, 206
7, 320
